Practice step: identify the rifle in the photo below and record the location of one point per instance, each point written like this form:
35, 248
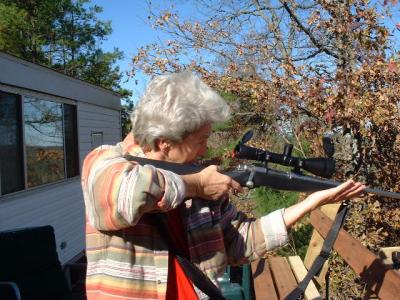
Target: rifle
252, 175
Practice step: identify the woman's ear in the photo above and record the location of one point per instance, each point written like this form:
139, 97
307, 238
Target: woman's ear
163, 145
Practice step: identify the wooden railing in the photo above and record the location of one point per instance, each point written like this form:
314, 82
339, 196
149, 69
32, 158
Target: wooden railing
275, 278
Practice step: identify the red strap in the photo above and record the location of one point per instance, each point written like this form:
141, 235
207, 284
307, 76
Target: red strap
179, 287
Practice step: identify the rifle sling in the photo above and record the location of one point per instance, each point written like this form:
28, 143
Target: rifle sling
198, 278
323, 255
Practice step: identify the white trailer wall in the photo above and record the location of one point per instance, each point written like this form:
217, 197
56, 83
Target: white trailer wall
58, 204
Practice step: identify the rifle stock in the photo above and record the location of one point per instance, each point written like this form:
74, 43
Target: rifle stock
254, 176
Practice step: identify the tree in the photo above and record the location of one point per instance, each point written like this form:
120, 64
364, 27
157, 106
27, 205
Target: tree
62, 34
127, 108
26, 27
304, 69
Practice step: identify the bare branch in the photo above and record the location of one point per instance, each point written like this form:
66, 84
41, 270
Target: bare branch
308, 33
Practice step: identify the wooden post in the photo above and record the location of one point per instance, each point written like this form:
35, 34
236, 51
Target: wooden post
299, 271
380, 279
316, 241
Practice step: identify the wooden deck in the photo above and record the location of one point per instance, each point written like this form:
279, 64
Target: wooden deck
276, 277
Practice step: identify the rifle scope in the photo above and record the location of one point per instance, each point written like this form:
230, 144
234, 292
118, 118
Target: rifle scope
323, 167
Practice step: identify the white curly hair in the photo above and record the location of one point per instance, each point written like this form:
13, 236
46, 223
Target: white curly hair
175, 105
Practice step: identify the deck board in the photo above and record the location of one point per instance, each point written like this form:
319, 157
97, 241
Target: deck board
264, 288
300, 272
284, 279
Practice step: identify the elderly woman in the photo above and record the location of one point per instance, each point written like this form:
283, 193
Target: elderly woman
128, 257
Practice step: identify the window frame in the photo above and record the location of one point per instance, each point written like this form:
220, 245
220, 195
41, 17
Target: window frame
22, 94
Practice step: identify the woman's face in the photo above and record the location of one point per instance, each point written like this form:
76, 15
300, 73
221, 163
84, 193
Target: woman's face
194, 145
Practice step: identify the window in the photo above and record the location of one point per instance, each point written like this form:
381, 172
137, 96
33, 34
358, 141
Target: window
71, 140
11, 152
44, 141
40, 142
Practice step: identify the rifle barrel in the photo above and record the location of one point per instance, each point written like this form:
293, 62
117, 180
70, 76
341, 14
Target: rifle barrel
382, 193
290, 181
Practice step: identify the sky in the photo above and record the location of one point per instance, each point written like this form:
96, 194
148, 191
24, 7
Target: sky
130, 32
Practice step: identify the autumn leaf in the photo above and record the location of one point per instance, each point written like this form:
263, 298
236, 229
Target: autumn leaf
330, 115
167, 16
392, 67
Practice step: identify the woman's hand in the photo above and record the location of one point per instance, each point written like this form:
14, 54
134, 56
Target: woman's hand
209, 184
346, 190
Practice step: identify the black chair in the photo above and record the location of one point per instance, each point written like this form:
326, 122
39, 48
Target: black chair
29, 266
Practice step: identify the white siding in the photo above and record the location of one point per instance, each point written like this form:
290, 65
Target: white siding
92, 118
58, 204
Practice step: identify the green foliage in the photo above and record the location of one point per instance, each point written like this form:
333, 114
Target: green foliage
223, 126
299, 241
269, 200
220, 152
100, 70
126, 124
229, 97
11, 20
305, 147
25, 28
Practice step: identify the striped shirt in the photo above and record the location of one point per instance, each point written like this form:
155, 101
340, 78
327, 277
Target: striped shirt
127, 257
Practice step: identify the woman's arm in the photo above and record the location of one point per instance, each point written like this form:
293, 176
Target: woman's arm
118, 192
249, 239
346, 190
